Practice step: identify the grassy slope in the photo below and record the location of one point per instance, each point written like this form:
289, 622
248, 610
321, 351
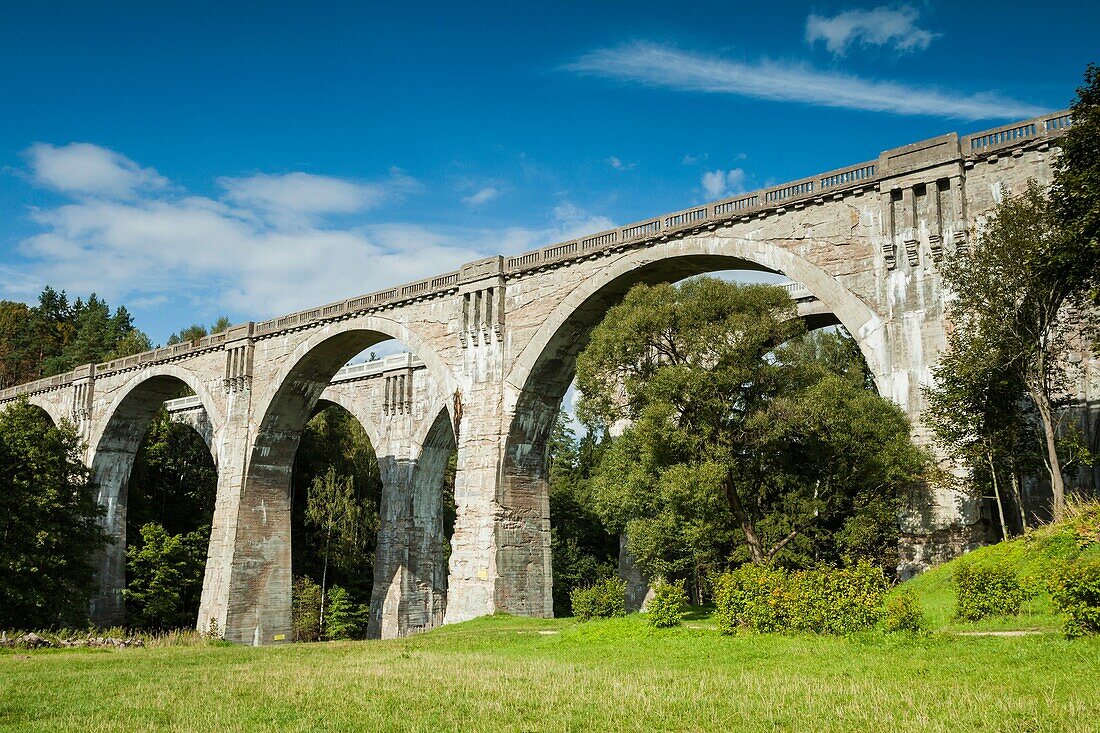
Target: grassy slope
1039, 556
509, 674
512, 674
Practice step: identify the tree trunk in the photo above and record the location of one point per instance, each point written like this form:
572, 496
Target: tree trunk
997, 494
1018, 497
751, 538
1054, 465
324, 578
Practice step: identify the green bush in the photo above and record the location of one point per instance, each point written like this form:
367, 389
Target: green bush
830, 600
603, 599
344, 619
823, 601
305, 610
904, 612
982, 591
666, 607
751, 597
1076, 593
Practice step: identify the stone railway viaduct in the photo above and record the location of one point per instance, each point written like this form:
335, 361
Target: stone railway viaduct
494, 347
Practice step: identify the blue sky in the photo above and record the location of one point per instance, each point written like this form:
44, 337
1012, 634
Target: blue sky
191, 159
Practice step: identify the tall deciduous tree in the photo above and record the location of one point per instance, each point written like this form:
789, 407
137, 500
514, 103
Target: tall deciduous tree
1076, 194
49, 527
733, 441
1010, 303
333, 510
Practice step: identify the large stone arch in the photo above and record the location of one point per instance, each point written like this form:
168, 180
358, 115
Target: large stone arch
257, 606
568, 324
541, 374
112, 447
325, 347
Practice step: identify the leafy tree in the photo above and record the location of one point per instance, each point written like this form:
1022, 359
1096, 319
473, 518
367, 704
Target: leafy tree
1074, 261
56, 336
185, 335
344, 618
165, 574
333, 510
49, 528
335, 439
582, 549
19, 350
735, 445
197, 331
305, 607
1012, 303
132, 342
173, 482
976, 411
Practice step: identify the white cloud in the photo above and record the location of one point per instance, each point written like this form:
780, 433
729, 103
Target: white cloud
618, 165
302, 193
86, 169
896, 27
693, 159
481, 196
720, 184
263, 248
669, 68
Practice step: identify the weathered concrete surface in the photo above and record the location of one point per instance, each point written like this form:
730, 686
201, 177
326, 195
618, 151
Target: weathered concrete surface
498, 341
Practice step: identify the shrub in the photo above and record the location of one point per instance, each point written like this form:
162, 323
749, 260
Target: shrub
904, 612
751, 597
824, 600
1077, 594
830, 600
666, 607
306, 609
344, 619
982, 591
603, 599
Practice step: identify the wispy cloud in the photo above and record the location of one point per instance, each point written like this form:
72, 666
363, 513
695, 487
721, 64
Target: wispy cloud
618, 164
267, 244
482, 196
720, 183
303, 193
884, 26
670, 68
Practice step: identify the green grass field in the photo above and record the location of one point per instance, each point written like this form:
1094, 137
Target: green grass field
513, 674
510, 674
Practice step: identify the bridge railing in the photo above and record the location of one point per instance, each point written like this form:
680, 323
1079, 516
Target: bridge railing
977, 145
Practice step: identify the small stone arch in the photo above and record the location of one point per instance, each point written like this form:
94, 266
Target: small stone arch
49, 407
344, 339
112, 448
259, 608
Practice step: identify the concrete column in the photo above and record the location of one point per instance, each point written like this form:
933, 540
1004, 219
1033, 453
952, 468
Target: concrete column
111, 469
410, 576
472, 582
232, 452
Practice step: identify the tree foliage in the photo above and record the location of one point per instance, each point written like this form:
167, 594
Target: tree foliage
49, 529
335, 440
738, 448
165, 575
583, 551
1011, 326
55, 336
